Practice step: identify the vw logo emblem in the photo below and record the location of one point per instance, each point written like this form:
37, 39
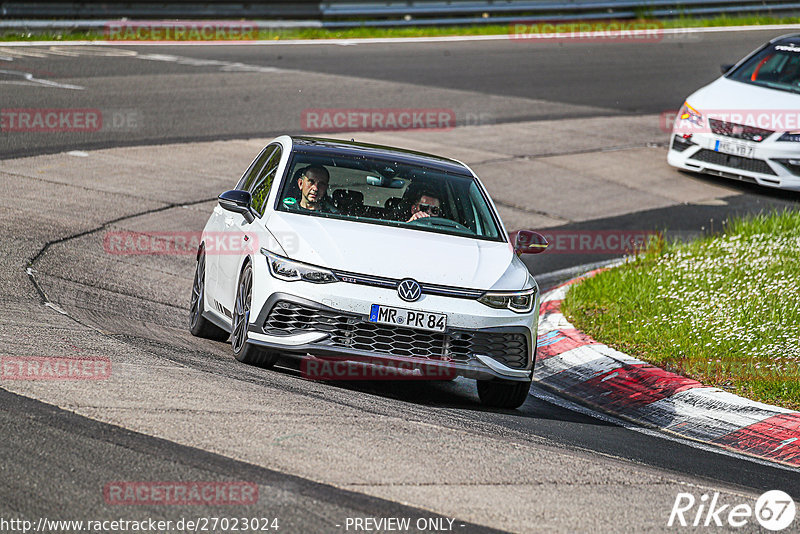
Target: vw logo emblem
409, 290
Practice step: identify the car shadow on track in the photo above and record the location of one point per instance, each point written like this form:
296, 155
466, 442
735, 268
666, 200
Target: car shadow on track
458, 394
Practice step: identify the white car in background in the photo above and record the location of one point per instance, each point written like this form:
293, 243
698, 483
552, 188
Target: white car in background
746, 124
402, 263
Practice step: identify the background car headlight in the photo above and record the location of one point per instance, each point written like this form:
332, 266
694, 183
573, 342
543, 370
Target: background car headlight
793, 137
517, 301
292, 271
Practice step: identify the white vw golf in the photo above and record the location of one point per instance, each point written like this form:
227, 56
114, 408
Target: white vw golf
746, 124
334, 251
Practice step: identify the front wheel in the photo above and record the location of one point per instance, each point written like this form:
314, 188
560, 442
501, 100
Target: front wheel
503, 393
242, 350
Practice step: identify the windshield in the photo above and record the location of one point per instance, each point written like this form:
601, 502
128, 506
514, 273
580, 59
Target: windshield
777, 66
379, 191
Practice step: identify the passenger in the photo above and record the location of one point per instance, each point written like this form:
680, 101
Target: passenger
425, 205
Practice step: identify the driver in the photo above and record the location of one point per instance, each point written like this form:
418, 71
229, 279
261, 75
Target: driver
425, 205
313, 184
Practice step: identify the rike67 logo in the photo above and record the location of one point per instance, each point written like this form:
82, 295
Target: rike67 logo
774, 510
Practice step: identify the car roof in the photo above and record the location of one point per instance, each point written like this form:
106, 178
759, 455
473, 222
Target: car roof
793, 38
328, 147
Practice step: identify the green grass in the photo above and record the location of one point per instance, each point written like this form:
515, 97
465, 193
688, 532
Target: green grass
723, 310
409, 31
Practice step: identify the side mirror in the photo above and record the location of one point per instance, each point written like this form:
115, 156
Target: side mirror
725, 68
237, 201
528, 242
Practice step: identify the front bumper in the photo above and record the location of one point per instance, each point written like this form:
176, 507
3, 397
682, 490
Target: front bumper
303, 327
701, 154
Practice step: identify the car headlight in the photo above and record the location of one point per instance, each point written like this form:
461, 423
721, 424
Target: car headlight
793, 137
516, 301
689, 115
292, 271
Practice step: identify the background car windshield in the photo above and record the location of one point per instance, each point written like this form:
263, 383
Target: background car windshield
777, 66
386, 192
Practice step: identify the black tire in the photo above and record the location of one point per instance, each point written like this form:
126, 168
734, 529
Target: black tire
242, 350
198, 325
503, 393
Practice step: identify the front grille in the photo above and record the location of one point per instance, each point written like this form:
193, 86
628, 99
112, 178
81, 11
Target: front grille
351, 332
394, 340
286, 319
739, 131
735, 162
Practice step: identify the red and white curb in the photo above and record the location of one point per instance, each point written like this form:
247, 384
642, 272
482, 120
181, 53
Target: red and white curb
579, 368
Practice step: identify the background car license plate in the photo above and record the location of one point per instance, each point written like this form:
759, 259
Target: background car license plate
736, 149
436, 322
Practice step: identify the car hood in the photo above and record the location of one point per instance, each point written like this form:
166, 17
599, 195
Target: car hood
398, 253
729, 96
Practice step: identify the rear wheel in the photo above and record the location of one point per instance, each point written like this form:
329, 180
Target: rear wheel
198, 325
242, 350
503, 393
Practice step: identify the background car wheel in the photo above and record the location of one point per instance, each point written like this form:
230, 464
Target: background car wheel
198, 325
503, 393
242, 350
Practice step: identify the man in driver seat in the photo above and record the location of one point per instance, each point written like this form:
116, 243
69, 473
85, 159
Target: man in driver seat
313, 184
425, 205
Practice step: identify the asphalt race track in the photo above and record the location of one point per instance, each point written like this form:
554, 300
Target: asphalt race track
567, 136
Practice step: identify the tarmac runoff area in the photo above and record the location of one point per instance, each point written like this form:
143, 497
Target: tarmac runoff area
131, 310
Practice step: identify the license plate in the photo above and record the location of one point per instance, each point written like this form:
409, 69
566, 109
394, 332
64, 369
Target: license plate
735, 149
436, 322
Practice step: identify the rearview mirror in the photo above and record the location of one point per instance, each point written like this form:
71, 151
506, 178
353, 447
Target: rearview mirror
725, 68
381, 181
237, 201
529, 242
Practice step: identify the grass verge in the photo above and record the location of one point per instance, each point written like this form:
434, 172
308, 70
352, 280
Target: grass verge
406, 31
724, 310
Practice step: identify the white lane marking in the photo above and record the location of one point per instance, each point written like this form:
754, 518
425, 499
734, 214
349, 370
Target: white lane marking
225, 66
78, 51
30, 79
389, 40
574, 407
21, 53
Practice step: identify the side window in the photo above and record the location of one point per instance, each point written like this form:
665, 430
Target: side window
263, 183
249, 177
